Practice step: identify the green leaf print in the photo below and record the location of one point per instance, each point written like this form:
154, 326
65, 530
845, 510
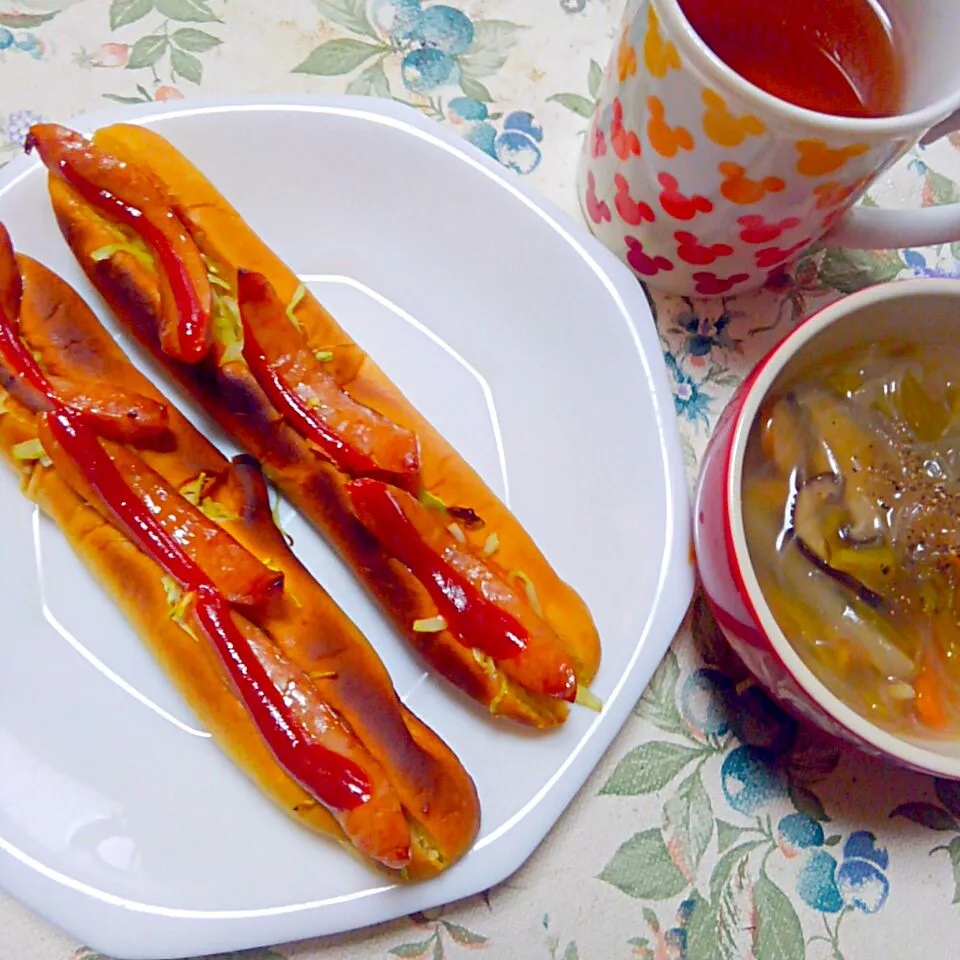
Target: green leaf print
147, 51
641, 868
648, 768
492, 41
336, 57
850, 270
778, 934
123, 12
186, 65
702, 943
187, 11
463, 936
941, 189
25, 21
953, 851
726, 865
573, 101
474, 88
351, 14
438, 949
659, 701
370, 82
688, 824
409, 951
116, 98
727, 835
594, 77
955, 249
927, 815
194, 40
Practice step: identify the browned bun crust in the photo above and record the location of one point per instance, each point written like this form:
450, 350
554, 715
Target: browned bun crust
230, 395
437, 794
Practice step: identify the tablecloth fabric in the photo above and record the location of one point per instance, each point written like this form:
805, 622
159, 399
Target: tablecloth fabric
714, 829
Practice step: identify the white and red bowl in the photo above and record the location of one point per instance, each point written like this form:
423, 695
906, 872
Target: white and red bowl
924, 311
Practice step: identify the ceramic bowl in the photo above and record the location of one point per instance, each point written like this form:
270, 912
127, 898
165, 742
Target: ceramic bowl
923, 311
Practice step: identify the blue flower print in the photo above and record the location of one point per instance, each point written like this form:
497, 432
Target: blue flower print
798, 832
24, 42
467, 109
484, 137
689, 401
431, 39
917, 263
516, 146
19, 124
817, 883
749, 780
445, 28
704, 701
426, 69
862, 879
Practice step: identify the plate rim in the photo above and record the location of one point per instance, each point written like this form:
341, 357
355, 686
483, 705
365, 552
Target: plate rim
118, 926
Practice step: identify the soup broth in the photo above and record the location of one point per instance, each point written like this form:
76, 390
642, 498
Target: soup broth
851, 507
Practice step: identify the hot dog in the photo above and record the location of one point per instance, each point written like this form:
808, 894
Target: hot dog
454, 569
185, 543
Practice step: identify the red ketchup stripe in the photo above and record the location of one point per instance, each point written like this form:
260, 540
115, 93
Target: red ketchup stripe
333, 780
471, 618
294, 409
194, 320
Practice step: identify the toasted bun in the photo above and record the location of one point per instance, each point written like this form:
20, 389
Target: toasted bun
436, 793
233, 399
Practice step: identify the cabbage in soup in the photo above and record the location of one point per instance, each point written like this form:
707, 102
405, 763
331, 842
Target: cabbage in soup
851, 505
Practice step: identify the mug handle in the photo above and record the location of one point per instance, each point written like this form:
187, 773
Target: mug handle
866, 228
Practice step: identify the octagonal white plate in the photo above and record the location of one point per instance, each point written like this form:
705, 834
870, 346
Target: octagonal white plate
532, 348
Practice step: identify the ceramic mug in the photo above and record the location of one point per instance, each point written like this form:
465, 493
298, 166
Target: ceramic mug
706, 185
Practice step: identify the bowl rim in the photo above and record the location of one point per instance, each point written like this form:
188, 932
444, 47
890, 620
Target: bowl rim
763, 378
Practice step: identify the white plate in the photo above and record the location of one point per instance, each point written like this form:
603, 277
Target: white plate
525, 342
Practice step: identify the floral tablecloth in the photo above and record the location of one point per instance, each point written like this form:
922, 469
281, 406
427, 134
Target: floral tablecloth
715, 829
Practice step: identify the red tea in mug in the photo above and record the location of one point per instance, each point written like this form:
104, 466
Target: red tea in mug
833, 56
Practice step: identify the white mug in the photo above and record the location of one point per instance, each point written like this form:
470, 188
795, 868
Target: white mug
706, 185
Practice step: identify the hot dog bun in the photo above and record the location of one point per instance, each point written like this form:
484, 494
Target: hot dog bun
231, 396
417, 771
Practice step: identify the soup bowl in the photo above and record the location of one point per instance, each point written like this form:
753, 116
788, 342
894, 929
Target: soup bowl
924, 312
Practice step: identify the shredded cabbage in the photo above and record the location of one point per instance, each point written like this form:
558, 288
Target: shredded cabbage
178, 604
298, 295
432, 501
227, 329
491, 545
217, 512
31, 450
323, 675
490, 669
192, 490
216, 281
456, 532
111, 249
324, 356
275, 513
531, 591
588, 699
429, 625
